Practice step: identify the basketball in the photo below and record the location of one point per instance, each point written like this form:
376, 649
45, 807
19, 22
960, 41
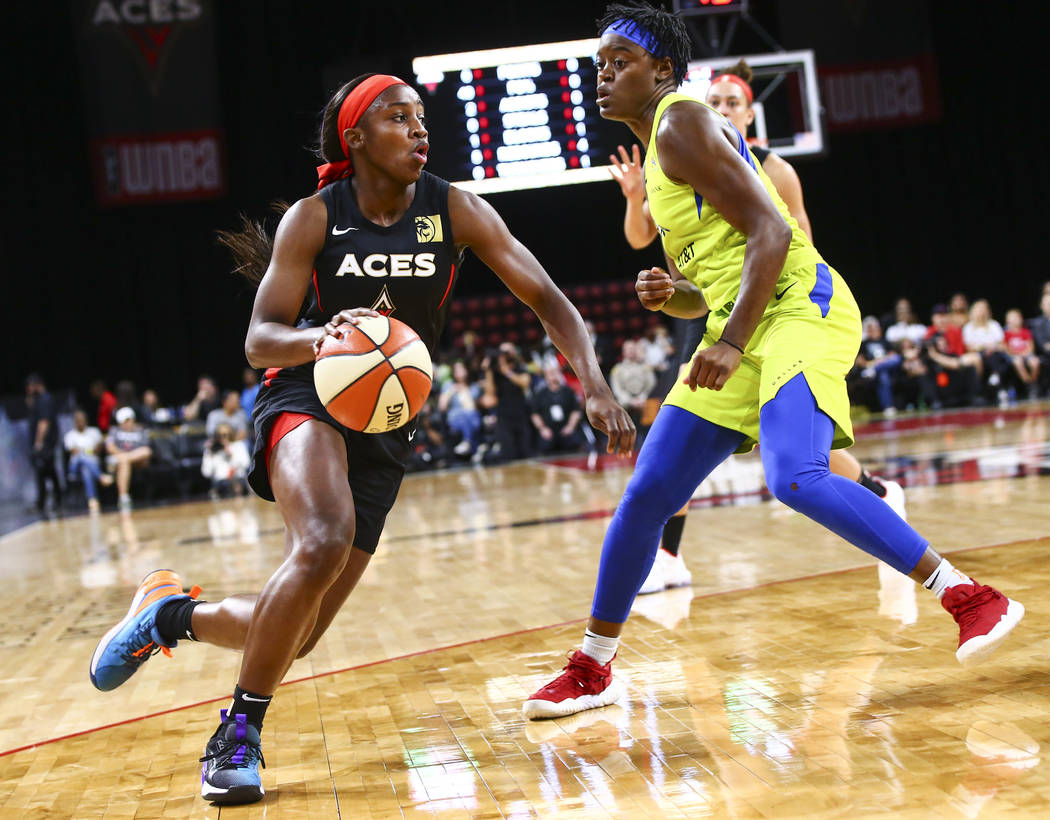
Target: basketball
376, 377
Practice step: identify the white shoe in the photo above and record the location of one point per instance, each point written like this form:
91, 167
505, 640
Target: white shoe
894, 496
676, 574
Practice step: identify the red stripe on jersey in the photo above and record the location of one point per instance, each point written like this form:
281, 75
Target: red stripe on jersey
269, 374
448, 287
318, 292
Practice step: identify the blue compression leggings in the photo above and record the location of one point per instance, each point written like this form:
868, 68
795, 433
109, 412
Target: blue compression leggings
682, 449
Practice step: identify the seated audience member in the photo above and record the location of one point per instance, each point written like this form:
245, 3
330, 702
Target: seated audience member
107, 403
915, 382
556, 414
250, 379
1040, 327
205, 400
127, 448
958, 309
1020, 346
955, 371
83, 444
153, 415
984, 336
877, 366
632, 379
225, 463
229, 413
458, 402
906, 325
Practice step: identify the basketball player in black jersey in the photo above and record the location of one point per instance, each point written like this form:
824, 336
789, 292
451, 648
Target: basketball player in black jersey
381, 235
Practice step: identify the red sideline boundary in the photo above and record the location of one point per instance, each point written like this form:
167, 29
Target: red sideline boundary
332, 673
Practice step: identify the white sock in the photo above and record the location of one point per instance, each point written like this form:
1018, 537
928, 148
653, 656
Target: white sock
943, 577
599, 647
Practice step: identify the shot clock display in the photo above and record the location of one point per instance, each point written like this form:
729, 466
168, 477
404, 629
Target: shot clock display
527, 117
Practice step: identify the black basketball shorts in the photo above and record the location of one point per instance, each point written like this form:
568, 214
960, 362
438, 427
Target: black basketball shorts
376, 461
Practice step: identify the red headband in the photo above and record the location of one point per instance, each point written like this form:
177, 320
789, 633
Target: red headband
732, 78
355, 104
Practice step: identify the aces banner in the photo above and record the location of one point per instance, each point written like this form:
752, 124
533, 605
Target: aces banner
151, 99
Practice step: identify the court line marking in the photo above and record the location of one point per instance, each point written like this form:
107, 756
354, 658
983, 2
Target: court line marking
436, 649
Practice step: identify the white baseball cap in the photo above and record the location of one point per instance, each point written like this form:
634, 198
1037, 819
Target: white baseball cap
124, 414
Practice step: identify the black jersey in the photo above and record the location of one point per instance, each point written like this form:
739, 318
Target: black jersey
407, 270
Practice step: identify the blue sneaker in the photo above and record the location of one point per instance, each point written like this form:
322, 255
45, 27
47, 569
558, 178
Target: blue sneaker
230, 770
135, 639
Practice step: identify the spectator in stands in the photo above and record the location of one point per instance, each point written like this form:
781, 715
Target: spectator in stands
556, 414
225, 463
877, 366
632, 380
1020, 347
510, 384
956, 372
127, 396
984, 336
604, 349
127, 446
1040, 327
459, 404
915, 383
959, 309
83, 444
229, 413
906, 326
250, 379
43, 440
152, 413
206, 400
107, 403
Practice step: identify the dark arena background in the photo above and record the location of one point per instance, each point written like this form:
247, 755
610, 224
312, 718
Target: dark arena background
912, 197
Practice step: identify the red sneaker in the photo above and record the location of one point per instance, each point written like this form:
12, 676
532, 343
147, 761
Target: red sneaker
985, 617
583, 684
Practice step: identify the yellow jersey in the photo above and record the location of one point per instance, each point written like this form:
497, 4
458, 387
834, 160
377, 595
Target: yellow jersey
707, 250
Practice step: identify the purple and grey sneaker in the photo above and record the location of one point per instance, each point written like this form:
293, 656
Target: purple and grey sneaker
230, 770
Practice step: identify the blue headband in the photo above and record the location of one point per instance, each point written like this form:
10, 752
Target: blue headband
637, 34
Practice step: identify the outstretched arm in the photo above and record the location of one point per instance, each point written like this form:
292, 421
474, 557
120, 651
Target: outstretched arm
638, 224
476, 223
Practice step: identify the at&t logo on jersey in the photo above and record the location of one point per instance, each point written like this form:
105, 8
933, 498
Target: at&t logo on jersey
379, 265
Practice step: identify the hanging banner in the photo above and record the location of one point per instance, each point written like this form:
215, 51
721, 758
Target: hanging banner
151, 99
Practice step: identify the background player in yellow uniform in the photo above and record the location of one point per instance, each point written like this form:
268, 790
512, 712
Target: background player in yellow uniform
783, 331
729, 94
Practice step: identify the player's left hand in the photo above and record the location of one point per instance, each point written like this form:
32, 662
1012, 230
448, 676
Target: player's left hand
713, 366
606, 415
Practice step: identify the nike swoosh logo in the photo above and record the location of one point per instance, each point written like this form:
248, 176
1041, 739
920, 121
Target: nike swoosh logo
256, 700
785, 290
337, 232
412, 435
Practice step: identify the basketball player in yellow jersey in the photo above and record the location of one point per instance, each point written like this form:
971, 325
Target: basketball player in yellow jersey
783, 330
731, 95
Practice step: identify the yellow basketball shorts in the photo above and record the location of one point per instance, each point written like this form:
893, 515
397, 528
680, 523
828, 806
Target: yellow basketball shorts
816, 332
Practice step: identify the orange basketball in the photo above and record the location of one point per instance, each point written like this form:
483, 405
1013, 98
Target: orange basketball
376, 377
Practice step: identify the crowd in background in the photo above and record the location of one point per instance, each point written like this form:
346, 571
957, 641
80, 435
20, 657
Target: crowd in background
492, 405
961, 357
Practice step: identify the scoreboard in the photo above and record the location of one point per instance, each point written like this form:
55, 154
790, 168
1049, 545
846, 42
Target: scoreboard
512, 118
527, 117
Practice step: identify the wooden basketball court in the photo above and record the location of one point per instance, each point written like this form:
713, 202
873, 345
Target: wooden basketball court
793, 679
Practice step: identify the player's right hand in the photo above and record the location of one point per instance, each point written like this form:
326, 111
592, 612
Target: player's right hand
349, 316
654, 286
627, 170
